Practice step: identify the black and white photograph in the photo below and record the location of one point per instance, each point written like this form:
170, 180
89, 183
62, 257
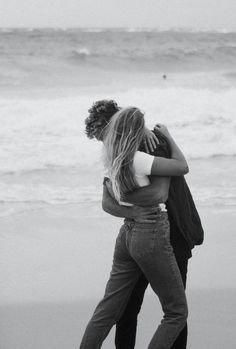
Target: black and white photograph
117, 174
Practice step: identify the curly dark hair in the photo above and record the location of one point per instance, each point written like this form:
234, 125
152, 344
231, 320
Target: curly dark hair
99, 115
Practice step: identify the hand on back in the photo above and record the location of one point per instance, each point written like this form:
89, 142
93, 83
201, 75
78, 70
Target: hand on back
150, 141
162, 129
146, 214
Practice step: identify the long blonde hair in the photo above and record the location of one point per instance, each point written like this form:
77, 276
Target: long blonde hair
123, 137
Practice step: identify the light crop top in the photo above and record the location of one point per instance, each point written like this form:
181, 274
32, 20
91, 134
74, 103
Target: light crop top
142, 165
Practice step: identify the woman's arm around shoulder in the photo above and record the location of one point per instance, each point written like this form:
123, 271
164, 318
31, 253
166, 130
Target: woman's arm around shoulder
176, 165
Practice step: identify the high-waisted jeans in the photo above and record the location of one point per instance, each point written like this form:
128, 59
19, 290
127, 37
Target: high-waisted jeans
141, 248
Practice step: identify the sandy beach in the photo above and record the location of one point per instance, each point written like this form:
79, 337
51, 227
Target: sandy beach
60, 325
55, 262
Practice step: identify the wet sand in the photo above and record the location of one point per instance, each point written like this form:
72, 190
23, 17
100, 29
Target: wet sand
55, 262
60, 325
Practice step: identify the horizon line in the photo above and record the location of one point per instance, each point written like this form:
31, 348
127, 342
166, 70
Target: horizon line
123, 28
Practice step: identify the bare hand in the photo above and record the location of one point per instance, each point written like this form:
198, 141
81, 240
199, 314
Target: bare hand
150, 141
109, 188
146, 214
162, 129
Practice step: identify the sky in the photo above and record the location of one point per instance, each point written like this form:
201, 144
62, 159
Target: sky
163, 14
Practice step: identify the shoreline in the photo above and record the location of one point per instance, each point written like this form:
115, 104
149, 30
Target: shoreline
78, 186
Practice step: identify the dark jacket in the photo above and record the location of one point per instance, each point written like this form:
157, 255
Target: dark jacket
180, 204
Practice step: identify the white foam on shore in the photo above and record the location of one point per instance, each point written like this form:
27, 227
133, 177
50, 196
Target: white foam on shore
46, 157
37, 134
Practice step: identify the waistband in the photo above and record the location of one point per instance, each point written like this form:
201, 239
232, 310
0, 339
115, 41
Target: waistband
131, 221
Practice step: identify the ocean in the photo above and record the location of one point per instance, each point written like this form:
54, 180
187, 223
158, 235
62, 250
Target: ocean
50, 77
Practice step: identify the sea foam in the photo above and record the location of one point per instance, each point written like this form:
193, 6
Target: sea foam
45, 156
37, 134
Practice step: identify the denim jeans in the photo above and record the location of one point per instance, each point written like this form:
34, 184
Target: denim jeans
141, 248
126, 326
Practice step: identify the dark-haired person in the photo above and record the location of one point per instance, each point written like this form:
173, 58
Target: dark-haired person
185, 226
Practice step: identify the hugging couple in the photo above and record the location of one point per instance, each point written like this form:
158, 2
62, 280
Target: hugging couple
145, 185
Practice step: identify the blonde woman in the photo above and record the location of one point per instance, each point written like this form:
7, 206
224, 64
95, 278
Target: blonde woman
140, 247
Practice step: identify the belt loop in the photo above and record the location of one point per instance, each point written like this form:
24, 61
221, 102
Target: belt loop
130, 224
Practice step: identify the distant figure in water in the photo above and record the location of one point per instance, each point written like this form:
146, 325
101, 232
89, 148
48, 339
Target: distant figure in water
164, 77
